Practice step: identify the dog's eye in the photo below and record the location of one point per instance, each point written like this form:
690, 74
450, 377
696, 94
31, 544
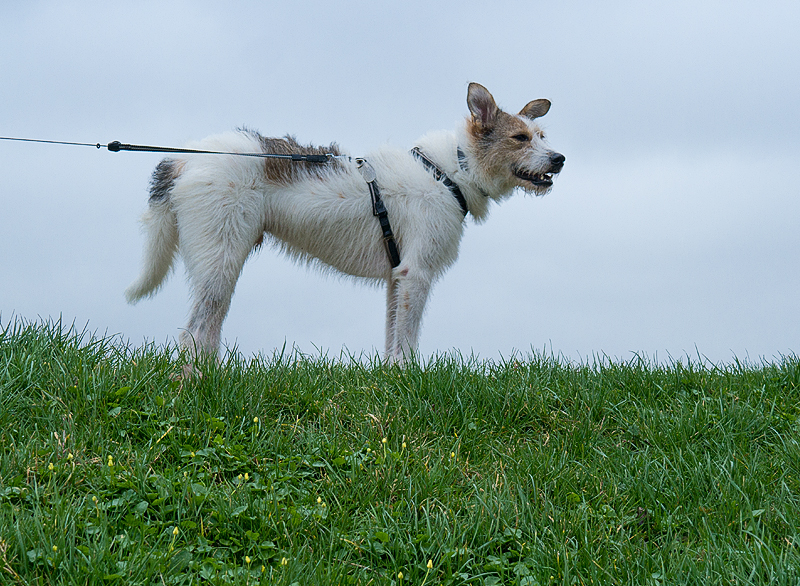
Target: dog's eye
521, 137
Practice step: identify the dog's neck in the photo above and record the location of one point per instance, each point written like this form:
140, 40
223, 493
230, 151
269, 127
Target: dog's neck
452, 153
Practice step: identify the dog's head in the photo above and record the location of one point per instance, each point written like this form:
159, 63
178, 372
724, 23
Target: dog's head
511, 149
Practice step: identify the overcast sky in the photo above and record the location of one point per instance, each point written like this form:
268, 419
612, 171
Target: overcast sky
672, 231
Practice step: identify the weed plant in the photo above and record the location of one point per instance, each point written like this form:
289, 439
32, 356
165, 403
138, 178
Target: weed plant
297, 470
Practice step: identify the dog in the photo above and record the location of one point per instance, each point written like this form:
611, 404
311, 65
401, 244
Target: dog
216, 209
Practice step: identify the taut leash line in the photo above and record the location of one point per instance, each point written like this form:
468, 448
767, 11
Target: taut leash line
98, 145
117, 146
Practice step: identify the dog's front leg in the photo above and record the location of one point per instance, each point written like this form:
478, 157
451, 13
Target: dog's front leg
391, 316
411, 290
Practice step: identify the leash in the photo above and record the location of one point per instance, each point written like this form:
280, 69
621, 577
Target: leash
117, 146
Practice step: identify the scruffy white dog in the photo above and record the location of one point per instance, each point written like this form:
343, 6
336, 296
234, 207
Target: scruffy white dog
215, 209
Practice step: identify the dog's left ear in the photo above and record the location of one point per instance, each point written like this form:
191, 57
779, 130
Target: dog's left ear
535, 109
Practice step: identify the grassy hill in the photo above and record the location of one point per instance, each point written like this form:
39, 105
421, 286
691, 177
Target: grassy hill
293, 469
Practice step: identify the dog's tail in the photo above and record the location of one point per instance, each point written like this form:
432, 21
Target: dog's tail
161, 230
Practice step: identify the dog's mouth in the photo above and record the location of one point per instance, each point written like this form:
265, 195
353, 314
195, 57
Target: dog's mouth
538, 179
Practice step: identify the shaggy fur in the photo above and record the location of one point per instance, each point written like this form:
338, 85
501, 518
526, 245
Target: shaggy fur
215, 209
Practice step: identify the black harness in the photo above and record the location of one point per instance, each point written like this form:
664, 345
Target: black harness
440, 175
379, 209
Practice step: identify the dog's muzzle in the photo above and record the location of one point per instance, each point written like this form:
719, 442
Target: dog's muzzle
544, 179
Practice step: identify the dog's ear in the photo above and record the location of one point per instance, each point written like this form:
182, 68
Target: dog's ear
535, 109
481, 104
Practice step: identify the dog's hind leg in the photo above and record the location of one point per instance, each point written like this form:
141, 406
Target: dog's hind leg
412, 289
203, 332
213, 266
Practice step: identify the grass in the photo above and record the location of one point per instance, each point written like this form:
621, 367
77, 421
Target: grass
298, 470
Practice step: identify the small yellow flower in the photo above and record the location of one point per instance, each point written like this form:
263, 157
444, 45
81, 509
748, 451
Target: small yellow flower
175, 531
69, 456
110, 461
191, 454
452, 454
284, 562
55, 548
263, 567
430, 564
185, 474
383, 441
94, 499
247, 560
255, 419
399, 575
404, 447
246, 476
50, 466
319, 499
239, 477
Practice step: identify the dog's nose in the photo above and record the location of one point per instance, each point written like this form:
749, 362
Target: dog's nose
557, 162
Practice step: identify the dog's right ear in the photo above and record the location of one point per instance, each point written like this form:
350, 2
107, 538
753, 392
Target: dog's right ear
481, 105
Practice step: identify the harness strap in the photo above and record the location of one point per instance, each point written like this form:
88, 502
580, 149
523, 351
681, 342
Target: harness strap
379, 211
462, 159
440, 175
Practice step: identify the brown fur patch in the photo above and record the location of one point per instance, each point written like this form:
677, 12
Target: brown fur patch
495, 141
285, 171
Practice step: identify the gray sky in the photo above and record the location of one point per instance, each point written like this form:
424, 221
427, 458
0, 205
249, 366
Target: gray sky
672, 230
